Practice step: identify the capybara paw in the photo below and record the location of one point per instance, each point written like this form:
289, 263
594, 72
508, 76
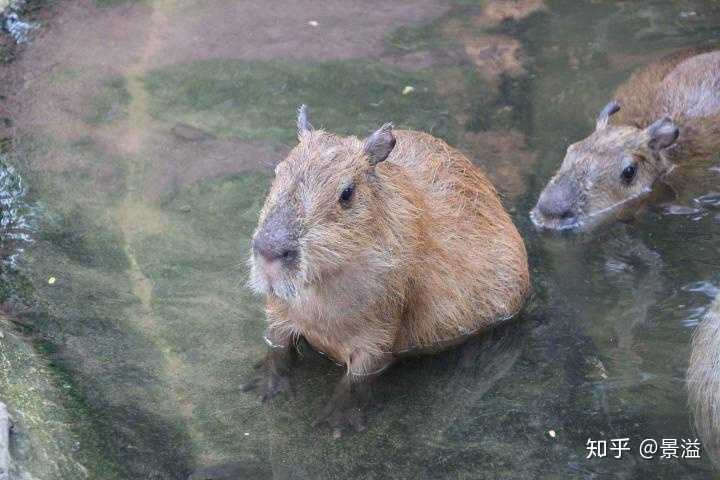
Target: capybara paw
342, 418
268, 382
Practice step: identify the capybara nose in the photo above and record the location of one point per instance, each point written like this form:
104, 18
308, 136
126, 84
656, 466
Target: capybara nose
557, 203
556, 211
272, 248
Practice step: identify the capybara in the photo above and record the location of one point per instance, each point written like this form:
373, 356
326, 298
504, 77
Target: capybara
703, 380
664, 122
376, 247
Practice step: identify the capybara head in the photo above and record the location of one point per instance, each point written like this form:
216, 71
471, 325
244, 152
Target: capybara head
321, 212
608, 172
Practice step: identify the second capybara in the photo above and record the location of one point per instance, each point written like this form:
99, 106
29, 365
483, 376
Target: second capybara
372, 248
703, 380
664, 122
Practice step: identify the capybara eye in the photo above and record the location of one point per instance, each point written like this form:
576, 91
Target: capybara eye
628, 173
346, 195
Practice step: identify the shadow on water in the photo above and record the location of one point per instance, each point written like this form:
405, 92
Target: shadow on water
128, 328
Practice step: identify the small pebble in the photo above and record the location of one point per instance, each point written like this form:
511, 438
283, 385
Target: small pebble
408, 90
51, 280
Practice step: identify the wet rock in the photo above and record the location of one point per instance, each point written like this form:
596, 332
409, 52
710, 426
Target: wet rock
15, 216
190, 133
16, 28
11, 5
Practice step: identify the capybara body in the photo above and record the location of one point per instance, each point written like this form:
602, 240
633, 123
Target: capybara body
664, 122
372, 248
420, 252
703, 380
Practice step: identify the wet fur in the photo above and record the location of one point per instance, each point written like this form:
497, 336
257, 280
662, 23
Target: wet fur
428, 256
703, 380
666, 88
685, 87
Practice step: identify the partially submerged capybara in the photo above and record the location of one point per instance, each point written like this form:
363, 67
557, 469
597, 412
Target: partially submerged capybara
372, 248
703, 380
664, 120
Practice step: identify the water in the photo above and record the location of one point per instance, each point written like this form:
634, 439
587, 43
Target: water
145, 134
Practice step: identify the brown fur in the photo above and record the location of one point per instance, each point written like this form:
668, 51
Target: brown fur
685, 89
703, 380
426, 254
665, 89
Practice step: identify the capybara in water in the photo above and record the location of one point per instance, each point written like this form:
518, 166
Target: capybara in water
664, 122
372, 248
703, 380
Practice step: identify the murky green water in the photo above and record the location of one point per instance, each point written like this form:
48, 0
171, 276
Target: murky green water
145, 158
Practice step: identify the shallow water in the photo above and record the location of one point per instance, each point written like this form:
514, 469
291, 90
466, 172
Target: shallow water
145, 141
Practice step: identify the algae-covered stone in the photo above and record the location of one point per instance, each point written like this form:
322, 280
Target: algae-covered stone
45, 441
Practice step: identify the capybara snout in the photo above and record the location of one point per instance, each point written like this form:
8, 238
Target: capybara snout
277, 240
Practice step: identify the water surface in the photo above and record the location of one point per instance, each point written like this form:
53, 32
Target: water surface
145, 134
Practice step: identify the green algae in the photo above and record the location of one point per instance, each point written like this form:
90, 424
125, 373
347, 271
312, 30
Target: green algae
111, 103
255, 100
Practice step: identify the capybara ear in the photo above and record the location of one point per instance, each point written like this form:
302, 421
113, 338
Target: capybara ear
379, 145
662, 134
303, 124
605, 114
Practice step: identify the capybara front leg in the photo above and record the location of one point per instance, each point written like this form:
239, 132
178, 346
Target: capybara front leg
272, 374
347, 409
